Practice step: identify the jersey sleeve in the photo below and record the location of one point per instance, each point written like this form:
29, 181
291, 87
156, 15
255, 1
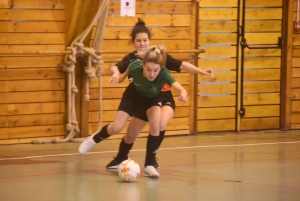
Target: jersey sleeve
135, 64
169, 79
173, 64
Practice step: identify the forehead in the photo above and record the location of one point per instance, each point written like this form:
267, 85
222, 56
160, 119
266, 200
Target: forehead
141, 36
152, 65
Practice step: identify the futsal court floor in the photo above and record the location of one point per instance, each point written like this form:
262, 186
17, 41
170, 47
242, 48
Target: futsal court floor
247, 166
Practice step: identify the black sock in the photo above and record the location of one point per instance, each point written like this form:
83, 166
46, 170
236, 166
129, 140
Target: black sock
152, 146
124, 149
161, 137
102, 135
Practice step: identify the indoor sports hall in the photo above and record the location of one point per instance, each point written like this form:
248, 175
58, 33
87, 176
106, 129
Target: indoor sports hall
236, 138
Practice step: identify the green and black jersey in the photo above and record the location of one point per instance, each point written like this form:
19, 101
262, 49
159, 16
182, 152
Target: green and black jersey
145, 87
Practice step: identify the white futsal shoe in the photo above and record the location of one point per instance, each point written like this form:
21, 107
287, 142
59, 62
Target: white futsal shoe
151, 172
87, 144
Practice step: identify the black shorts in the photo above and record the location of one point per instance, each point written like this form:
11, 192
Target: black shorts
132, 101
167, 100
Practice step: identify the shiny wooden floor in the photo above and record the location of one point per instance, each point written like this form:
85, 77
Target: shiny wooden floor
254, 166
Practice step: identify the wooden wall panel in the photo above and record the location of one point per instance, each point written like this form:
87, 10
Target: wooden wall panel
30, 38
165, 33
150, 19
216, 113
295, 75
126, 45
210, 125
32, 108
262, 111
262, 99
218, 52
170, 24
263, 26
32, 85
263, 52
260, 123
33, 4
35, 27
217, 34
264, 13
230, 26
25, 62
218, 64
156, 7
233, 3
34, 15
214, 101
263, 63
30, 48
30, 120
262, 69
32, 88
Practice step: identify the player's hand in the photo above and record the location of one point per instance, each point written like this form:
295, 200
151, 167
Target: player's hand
122, 77
208, 72
183, 96
114, 80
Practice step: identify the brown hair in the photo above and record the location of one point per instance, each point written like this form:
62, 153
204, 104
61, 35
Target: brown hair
154, 54
140, 27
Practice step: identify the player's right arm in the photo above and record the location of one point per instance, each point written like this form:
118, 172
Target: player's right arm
179, 88
119, 68
114, 80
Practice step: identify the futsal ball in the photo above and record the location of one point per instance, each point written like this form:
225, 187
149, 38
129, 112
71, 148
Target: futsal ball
129, 170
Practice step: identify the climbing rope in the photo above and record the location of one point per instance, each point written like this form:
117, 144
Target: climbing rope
93, 69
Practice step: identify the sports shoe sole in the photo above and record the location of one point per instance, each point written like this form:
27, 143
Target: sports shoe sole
113, 167
154, 176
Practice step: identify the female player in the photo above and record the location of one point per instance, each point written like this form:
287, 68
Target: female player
144, 93
140, 37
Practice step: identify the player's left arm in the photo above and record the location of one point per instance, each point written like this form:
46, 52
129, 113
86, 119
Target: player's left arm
193, 69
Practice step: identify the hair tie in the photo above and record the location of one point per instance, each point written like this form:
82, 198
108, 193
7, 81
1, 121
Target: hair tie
157, 50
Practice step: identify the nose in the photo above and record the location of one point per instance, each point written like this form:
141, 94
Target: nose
142, 42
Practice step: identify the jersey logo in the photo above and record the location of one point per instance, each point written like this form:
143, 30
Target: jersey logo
168, 103
137, 84
153, 88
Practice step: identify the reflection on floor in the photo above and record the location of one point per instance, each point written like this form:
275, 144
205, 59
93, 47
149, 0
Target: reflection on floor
229, 167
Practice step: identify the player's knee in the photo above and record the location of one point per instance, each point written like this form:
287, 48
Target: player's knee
162, 126
116, 128
129, 139
154, 130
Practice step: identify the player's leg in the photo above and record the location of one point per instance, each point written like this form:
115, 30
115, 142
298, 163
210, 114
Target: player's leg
167, 113
126, 109
154, 114
106, 131
134, 128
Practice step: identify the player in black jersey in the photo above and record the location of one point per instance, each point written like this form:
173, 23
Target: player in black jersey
140, 37
143, 94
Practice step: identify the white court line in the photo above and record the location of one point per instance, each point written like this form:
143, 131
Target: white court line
171, 148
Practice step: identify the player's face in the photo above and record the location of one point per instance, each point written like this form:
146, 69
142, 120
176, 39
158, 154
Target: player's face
151, 70
141, 41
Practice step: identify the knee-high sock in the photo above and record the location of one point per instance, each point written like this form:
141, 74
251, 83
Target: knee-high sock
124, 149
161, 137
152, 146
102, 135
